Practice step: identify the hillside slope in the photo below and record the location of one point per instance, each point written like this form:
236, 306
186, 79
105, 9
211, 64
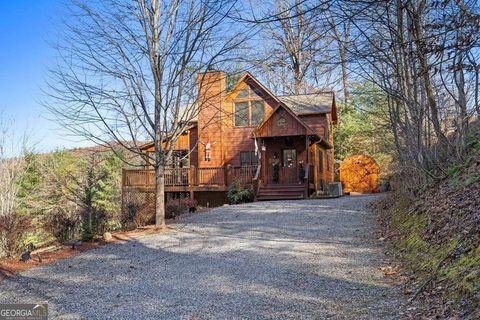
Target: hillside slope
435, 236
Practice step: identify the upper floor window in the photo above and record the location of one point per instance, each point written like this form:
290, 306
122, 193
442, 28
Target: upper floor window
241, 114
249, 108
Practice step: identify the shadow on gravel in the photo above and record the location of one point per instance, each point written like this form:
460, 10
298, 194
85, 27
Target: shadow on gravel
182, 284
240, 267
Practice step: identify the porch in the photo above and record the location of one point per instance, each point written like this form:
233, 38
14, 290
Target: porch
191, 179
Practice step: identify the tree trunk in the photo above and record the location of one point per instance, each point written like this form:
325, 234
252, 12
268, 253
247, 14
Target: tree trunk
476, 88
297, 78
343, 64
462, 104
159, 197
425, 72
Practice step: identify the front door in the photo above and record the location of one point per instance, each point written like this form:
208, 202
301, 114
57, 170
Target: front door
289, 166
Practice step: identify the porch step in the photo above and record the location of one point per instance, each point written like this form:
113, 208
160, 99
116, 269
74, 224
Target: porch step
284, 186
281, 192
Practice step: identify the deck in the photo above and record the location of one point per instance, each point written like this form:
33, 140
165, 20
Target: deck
190, 179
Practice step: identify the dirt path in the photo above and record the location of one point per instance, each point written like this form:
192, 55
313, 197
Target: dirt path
313, 259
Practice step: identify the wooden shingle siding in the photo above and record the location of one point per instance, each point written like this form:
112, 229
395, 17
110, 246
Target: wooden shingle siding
318, 123
282, 124
210, 102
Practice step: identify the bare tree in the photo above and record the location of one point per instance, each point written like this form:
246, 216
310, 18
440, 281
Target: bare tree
12, 169
339, 21
423, 55
297, 47
127, 72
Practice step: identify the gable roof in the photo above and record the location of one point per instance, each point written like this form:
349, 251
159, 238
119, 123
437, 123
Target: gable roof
309, 130
243, 79
312, 103
300, 104
309, 103
151, 144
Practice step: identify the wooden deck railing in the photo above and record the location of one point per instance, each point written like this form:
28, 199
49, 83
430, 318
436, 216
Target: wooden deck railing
191, 176
177, 176
138, 177
211, 176
242, 175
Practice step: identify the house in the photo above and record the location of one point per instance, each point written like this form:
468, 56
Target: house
281, 146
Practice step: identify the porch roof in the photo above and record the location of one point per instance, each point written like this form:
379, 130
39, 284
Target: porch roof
270, 127
313, 103
293, 126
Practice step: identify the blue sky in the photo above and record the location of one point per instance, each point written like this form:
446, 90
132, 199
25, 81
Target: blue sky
26, 29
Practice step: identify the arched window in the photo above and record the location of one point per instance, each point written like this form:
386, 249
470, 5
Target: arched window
249, 108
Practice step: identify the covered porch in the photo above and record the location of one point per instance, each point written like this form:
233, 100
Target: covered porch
287, 158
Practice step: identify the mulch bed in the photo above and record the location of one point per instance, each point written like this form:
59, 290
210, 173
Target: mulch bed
10, 267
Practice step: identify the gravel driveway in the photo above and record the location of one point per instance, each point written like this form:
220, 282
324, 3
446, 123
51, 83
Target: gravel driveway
311, 259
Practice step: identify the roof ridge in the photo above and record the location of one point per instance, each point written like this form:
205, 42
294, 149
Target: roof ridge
304, 94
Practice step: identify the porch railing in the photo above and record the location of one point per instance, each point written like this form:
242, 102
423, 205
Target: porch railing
242, 175
176, 176
210, 176
191, 176
138, 177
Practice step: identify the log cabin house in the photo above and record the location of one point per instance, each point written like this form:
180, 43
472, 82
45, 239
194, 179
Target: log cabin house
281, 146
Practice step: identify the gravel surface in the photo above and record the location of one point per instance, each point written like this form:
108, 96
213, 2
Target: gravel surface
311, 259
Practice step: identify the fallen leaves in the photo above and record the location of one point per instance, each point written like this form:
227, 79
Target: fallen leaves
390, 270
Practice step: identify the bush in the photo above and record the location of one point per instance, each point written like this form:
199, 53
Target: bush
63, 224
176, 207
139, 212
238, 194
12, 231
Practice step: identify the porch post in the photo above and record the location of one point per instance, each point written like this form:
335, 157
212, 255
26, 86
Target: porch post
307, 167
265, 163
306, 150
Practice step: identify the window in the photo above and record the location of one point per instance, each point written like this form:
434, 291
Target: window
289, 157
241, 114
320, 160
328, 160
257, 112
248, 158
243, 93
249, 108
